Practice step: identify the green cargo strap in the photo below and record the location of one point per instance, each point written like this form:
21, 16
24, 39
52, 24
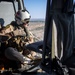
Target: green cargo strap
27, 32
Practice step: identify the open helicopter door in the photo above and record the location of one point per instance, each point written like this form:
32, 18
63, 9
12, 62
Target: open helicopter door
59, 36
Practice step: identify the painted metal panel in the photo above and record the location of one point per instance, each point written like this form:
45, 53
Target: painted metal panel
7, 12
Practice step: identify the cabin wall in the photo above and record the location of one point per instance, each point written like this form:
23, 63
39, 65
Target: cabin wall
74, 29
6, 12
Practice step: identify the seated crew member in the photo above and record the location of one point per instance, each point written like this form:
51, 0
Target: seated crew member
14, 49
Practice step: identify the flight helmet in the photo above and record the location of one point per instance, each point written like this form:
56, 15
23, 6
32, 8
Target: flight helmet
22, 17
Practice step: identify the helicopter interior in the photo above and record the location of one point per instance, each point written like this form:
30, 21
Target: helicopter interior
45, 45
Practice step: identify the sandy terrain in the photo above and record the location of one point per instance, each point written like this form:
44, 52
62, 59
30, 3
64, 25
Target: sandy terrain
37, 28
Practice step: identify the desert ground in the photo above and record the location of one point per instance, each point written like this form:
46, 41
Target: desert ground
37, 29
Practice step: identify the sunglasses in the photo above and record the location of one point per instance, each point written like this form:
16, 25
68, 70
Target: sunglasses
25, 21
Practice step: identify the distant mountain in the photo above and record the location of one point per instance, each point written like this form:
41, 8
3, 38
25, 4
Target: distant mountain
37, 20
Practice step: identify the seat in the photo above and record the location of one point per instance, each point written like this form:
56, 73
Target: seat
1, 22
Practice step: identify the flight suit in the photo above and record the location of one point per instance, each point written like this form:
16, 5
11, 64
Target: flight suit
17, 39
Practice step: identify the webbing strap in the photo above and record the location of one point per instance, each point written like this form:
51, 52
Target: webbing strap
27, 32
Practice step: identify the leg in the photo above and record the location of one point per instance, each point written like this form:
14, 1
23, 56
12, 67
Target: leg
13, 54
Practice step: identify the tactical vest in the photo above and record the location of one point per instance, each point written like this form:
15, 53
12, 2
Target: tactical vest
17, 41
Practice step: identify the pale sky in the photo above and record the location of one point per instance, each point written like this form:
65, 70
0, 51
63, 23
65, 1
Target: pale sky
37, 8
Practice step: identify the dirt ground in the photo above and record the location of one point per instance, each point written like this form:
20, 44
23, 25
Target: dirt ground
37, 28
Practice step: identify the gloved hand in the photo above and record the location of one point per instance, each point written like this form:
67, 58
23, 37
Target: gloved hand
3, 38
30, 39
9, 34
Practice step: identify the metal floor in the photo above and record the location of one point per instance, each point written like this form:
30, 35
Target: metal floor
32, 74
35, 71
25, 73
